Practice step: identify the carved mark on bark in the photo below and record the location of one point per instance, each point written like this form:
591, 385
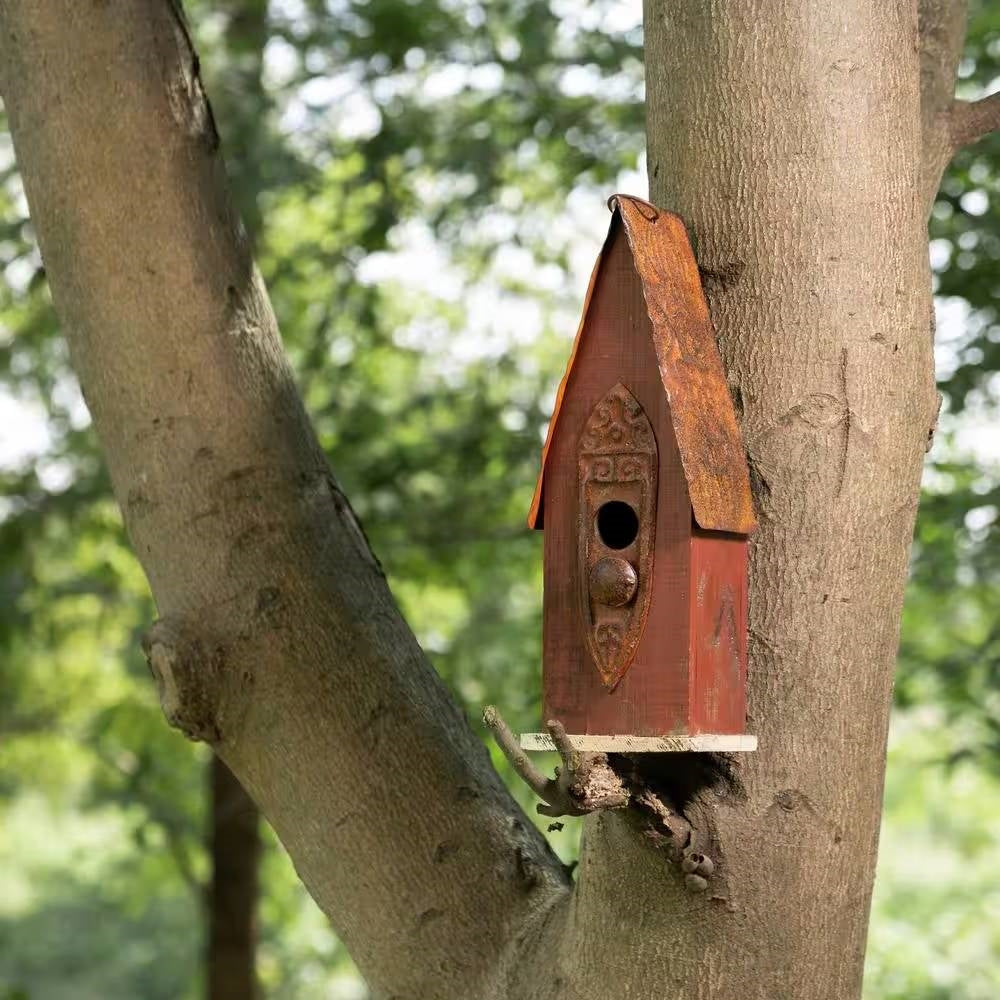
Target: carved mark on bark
794, 800
724, 275
846, 446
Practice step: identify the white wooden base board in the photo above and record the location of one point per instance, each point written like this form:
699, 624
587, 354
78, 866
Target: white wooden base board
704, 742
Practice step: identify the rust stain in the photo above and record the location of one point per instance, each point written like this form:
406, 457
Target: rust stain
708, 435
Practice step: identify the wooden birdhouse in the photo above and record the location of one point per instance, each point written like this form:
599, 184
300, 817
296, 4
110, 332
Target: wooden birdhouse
644, 498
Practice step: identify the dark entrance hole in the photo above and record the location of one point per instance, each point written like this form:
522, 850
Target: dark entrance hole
617, 524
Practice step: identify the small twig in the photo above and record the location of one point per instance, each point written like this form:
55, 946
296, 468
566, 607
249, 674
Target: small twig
571, 757
516, 757
973, 120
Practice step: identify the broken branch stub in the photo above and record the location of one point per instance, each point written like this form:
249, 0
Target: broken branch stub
590, 782
584, 784
187, 676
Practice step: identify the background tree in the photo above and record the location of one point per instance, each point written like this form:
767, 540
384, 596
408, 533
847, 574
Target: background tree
377, 194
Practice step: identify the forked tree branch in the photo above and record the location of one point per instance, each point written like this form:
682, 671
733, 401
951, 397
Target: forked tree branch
593, 782
948, 125
941, 31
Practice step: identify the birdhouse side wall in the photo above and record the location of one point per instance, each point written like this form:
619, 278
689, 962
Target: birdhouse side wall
651, 698
718, 632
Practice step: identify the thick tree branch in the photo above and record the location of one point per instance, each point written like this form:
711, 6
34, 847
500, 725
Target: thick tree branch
279, 641
974, 120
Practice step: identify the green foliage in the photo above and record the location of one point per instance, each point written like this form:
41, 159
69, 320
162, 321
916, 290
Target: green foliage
404, 167
83, 913
935, 933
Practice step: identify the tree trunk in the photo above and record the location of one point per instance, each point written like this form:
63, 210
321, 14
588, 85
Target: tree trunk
232, 895
791, 138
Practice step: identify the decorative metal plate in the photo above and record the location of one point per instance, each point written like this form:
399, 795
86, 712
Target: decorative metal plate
617, 467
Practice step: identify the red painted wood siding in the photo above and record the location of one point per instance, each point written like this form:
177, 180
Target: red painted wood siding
718, 632
652, 697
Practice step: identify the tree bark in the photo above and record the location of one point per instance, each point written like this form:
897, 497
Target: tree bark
234, 844
279, 641
790, 135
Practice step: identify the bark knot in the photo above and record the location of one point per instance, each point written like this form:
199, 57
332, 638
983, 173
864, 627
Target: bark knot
188, 672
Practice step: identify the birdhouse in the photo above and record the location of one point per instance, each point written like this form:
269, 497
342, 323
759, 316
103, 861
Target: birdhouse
644, 500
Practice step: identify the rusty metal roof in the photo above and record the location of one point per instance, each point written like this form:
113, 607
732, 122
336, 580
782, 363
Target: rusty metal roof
701, 408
